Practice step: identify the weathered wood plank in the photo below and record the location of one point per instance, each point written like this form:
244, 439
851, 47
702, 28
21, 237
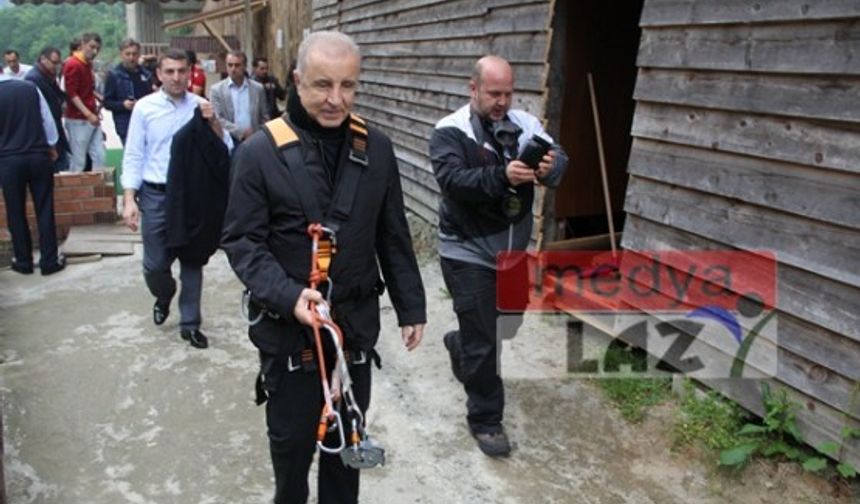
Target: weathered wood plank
419, 191
319, 4
419, 175
792, 369
393, 121
828, 250
325, 12
401, 6
406, 110
325, 24
808, 97
445, 101
827, 47
428, 14
819, 318
527, 76
516, 48
520, 19
420, 208
530, 102
825, 145
834, 197
692, 12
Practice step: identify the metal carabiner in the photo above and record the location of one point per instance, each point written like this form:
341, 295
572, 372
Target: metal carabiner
245, 309
338, 425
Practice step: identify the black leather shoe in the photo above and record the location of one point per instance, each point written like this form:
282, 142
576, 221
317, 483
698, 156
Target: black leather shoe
195, 337
60, 265
453, 347
24, 269
160, 311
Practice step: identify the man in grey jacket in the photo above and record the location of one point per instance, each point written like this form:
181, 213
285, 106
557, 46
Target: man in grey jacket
486, 208
240, 103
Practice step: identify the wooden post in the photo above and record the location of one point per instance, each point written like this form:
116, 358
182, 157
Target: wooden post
603, 174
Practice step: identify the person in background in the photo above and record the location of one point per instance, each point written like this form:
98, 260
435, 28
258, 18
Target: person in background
271, 86
154, 121
27, 136
239, 102
125, 84
197, 79
44, 75
14, 68
82, 111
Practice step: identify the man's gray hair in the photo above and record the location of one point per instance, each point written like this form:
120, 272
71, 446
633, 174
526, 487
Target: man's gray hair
332, 39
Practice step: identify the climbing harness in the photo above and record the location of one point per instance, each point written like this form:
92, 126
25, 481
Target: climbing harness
362, 452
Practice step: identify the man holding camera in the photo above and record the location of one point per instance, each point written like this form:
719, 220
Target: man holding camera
479, 156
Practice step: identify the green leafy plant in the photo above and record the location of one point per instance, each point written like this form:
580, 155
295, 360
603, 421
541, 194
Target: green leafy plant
778, 436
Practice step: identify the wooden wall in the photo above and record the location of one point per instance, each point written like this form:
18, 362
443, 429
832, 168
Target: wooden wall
417, 59
290, 16
746, 136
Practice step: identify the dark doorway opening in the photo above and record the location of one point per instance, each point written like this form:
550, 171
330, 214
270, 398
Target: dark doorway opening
601, 38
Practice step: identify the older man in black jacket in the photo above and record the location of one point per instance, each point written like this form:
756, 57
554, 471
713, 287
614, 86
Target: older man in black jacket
267, 241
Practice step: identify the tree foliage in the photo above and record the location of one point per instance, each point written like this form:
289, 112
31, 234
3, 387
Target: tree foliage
30, 28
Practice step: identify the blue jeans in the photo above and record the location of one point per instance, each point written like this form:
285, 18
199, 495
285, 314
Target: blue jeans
84, 138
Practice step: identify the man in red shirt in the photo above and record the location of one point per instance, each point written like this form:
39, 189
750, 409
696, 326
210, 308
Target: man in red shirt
197, 77
82, 114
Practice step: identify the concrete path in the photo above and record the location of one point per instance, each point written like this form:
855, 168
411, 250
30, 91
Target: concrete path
102, 407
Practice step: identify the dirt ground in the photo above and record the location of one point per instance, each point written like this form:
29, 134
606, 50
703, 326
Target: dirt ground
102, 407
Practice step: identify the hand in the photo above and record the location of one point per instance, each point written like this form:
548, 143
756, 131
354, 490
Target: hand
130, 212
52, 154
302, 310
94, 120
208, 113
248, 132
412, 335
519, 173
207, 110
545, 165
128, 104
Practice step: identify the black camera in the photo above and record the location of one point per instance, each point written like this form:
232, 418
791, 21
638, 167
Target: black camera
534, 151
506, 133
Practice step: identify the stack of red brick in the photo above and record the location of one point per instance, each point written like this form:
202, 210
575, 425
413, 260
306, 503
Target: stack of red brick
79, 199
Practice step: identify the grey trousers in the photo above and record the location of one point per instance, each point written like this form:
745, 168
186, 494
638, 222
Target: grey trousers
157, 260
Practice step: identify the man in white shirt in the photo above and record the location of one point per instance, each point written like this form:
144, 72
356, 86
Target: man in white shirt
14, 68
239, 102
154, 120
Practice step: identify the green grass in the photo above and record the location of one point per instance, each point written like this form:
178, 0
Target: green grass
633, 396
709, 421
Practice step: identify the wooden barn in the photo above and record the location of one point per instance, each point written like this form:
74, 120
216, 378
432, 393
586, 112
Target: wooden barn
726, 125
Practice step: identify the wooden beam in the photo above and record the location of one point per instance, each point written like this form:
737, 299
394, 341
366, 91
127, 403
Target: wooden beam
217, 36
213, 14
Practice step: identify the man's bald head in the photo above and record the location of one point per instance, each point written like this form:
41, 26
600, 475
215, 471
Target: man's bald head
492, 87
492, 66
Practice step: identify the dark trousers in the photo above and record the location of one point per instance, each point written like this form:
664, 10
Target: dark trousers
17, 173
158, 259
292, 415
473, 289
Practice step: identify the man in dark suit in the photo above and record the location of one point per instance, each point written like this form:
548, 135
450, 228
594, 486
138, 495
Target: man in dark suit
44, 76
27, 137
239, 102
